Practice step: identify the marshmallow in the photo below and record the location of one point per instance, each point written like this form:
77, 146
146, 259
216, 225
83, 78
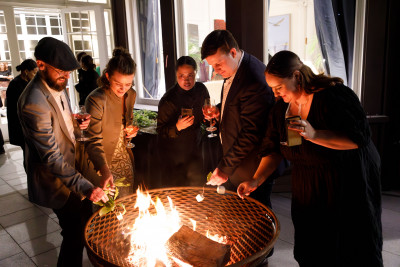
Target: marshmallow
120, 217
221, 189
199, 198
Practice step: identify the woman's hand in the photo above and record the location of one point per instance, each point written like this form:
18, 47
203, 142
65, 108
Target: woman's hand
184, 122
303, 127
131, 131
245, 188
84, 124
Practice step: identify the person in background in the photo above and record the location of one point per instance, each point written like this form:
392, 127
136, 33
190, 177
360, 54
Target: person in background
28, 69
336, 191
46, 120
2, 150
5, 72
87, 78
111, 110
178, 125
245, 102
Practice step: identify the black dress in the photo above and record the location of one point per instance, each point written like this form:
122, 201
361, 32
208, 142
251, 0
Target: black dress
336, 201
180, 150
14, 90
87, 83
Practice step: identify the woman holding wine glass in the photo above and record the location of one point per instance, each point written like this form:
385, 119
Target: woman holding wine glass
178, 125
106, 154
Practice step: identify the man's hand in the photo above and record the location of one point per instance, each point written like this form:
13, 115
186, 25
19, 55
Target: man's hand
97, 194
184, 122
245, 188
218, 177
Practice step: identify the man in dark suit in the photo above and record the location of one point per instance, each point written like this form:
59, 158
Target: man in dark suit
245, 102
48, 127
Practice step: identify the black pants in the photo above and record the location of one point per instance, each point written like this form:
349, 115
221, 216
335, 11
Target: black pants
72, 218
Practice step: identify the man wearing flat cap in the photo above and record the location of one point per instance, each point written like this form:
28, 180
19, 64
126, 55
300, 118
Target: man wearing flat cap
46, 119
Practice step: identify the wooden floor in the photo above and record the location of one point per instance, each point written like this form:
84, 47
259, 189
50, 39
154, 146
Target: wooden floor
30, 235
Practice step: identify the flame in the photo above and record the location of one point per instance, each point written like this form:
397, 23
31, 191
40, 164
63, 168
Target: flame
151, 231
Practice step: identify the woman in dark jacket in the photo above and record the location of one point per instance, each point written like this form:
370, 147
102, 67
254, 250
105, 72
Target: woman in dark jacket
28, 69
178, 125
87, 78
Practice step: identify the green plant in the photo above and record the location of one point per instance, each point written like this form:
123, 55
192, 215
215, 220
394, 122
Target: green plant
145, 117
110, 204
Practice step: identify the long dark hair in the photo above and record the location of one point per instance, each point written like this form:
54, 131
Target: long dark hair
284, 63
27, 64
122, 62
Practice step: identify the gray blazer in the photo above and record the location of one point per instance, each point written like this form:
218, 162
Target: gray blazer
50, 151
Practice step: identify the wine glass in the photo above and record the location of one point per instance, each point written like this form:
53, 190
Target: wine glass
81, 115
129, 130
210, 110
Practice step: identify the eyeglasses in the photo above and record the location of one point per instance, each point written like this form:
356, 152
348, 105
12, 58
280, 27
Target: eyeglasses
59, 72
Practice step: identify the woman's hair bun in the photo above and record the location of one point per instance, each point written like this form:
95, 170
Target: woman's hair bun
120, 51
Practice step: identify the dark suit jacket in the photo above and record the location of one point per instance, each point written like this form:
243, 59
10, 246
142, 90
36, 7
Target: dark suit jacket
49, 150
14, 90
244, 120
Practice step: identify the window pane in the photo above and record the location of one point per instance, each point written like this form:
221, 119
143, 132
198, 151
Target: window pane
21, 45
22, 55
54, 21
31, 30
29, 20
55, 31
41, 21
42, 30
201, 18
17, 20
78, 45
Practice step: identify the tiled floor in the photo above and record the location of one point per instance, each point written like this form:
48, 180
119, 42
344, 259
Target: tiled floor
30, 235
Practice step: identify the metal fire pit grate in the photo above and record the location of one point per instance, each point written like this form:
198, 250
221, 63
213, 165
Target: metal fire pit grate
250, 227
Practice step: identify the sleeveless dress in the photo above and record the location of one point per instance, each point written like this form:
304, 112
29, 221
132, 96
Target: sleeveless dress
121, 165
336, 201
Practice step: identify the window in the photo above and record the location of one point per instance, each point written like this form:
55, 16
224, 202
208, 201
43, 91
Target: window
33, 26
4, 48
291, 26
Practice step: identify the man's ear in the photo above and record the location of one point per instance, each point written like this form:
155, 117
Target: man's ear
40, 64
233, 52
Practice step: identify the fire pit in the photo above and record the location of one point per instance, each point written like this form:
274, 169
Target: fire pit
250, 227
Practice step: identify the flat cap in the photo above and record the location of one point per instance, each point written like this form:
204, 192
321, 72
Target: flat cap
56, 53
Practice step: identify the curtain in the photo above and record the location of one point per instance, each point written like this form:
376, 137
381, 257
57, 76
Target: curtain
345, 11
336, 35
149, 43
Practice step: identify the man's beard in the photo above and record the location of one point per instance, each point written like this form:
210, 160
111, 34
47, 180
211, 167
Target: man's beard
53, 83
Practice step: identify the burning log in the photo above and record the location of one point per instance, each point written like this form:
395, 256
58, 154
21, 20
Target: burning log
191, 247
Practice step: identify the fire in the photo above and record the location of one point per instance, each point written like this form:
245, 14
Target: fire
151, 231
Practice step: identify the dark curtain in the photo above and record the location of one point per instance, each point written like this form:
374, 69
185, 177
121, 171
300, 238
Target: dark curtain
332, 35
345, 11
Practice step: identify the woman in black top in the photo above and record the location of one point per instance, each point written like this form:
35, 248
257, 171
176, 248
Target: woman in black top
180, 135
28, 69
87, 78
336, 201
